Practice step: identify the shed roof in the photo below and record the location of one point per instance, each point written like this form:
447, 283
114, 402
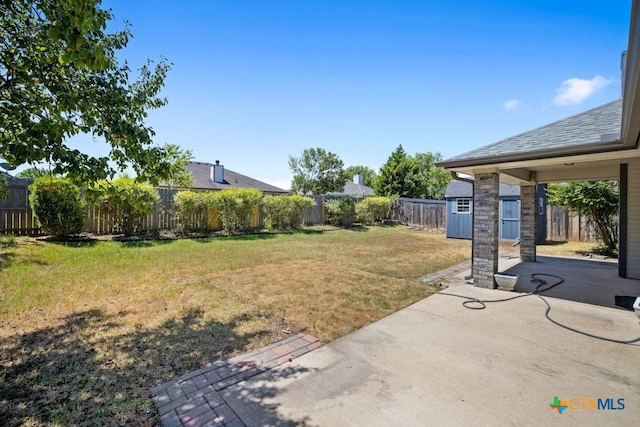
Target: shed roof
201, 173
592, 129
457, 188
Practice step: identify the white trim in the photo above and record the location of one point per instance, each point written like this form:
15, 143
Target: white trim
468, 206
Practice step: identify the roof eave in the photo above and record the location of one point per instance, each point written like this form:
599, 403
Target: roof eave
630, 132
536, 155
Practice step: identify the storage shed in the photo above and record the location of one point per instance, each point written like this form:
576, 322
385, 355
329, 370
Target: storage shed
459, 196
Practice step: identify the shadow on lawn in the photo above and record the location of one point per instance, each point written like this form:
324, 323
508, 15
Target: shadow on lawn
133, 244
8, 256
6, 259
553, 243
82, 242
85, 369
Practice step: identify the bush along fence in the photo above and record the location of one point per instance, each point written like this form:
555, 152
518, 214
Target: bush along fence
195, 211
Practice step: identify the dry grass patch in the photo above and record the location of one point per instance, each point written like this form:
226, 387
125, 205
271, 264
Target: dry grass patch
566, 249
87, 328
554, 248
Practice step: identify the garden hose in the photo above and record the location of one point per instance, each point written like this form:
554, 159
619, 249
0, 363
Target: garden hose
478, 304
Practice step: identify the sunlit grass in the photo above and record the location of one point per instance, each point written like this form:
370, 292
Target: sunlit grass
86, 328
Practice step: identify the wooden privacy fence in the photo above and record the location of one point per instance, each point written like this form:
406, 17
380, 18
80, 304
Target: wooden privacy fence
21, 221
563, 225
17, 218
423, 213
15, 215
162, 218
315, 214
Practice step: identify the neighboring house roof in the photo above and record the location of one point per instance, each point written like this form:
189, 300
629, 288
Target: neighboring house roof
353, 189
201, 173
457, 188
15, 181
594, 130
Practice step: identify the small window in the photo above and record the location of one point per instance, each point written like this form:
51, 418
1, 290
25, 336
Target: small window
462, 206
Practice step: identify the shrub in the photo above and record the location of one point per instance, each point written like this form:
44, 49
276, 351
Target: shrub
285, 212
235, 207
340, 212
372, 209
192, 210
127, 202
58, 206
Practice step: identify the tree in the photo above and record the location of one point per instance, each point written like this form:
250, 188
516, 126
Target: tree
597, 200
32, 173
59, 77
398, 175
368, 175
415, 177
317, 171
432, 180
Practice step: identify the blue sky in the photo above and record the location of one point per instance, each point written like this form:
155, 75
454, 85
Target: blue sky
254, 82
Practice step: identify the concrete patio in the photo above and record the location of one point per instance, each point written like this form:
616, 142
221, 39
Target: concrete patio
589, 281
437, 363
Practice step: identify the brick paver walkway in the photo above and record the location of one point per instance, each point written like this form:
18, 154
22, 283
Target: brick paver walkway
451, 271
194, 398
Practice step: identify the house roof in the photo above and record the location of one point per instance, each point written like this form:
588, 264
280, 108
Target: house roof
15, 181
457, 188
201, 173
353, 189
592, 130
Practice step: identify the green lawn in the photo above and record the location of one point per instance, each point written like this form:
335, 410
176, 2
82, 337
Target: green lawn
87, 328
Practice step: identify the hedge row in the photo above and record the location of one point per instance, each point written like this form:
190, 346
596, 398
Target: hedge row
59, 207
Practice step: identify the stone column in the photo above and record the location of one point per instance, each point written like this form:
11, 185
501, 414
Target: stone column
486, 205
528, 221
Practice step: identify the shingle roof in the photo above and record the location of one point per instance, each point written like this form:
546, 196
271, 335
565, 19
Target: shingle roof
202, 179
591, 128
353, 189
15, 181
457, 188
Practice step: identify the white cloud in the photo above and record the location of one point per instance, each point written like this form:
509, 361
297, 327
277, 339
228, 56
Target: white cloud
511, 104
574, 90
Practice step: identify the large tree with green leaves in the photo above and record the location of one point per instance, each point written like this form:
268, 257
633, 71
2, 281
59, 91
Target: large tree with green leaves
432, 180
597, 200
60, 77
32, 173
397, 175
317, 171
414, 177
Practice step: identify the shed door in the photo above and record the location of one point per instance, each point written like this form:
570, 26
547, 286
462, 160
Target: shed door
510, 219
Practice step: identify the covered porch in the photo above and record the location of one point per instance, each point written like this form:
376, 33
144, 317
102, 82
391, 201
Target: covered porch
598, 144
589, 281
